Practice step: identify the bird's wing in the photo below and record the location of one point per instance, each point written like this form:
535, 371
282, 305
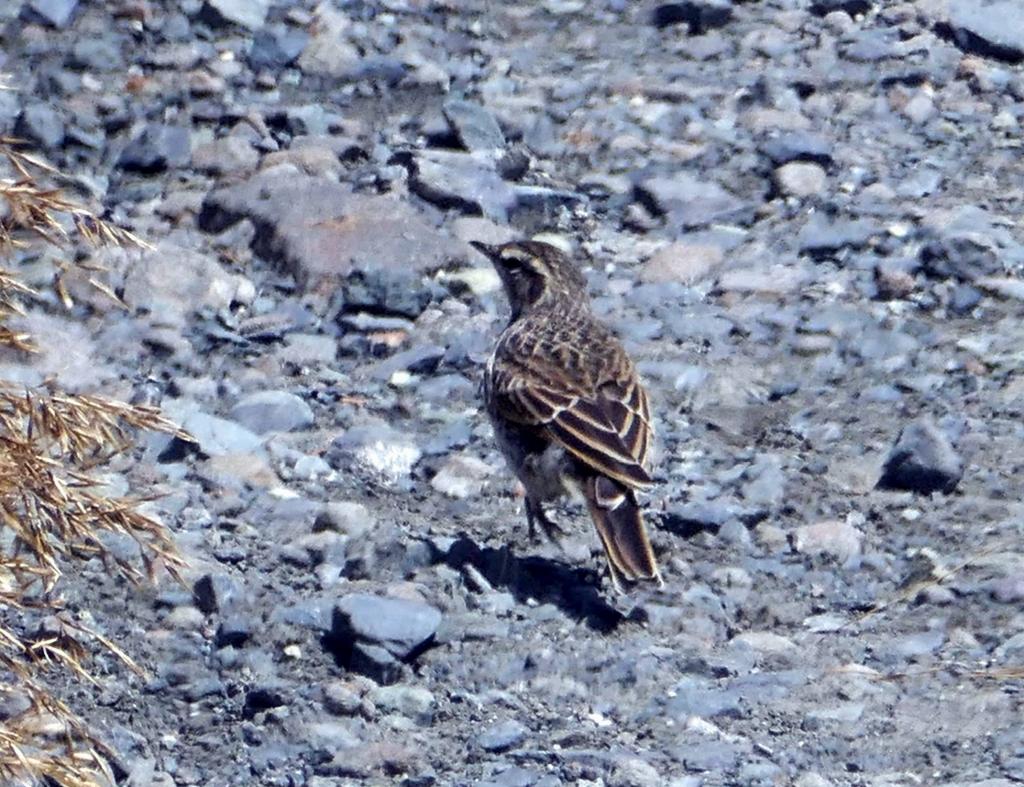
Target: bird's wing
606, 426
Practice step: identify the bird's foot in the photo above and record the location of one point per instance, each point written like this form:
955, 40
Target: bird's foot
535, 515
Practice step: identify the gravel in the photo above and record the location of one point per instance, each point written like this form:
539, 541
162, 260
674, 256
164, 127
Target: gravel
801, 218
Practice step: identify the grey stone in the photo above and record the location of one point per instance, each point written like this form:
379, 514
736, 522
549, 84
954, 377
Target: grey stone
378, 448
249, 14
41, 124
990, 28
699, 15
403, 628
97, 54
502, 736
56, 13
157, 147
475, 127
214, 436
230, 154
798, 146
320, 231
415, 702
801, 179
467, 182
689, 202
922, 460
822, 236
277, 46
216, 592
272, 411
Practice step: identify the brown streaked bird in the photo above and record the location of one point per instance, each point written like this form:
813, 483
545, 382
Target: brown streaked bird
567, 406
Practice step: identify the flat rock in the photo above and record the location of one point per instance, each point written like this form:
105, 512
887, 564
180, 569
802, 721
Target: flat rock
689, 202
380, 449
318, 230
272, 411
403, 628
682, 262
801, 179
466, 182
171, 293
474, 125
214, 436
249, 14
990, 28
922, 460
56, 13
156, 148
841, 539
502, 736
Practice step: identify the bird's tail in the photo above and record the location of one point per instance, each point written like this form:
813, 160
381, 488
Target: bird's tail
617, 517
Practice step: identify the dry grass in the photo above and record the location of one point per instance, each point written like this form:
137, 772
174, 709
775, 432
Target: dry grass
51, 510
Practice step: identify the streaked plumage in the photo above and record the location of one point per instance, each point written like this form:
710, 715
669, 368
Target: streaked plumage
567, 406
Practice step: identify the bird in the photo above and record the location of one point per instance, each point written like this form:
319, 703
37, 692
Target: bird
568, 409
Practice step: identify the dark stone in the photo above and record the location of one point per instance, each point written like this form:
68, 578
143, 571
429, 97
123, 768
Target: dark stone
851, 7
923, 460
403, 628
157, 148
823, 236
474, 126
217, 592
41, 124
700, 15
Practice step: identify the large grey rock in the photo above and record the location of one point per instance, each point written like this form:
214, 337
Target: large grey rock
171, 282
466, 182
40, 123
475, 127
991, 28
403, 628
689, 202
214, 436
922, 460
502, 736
56, 13
157, 147
318, 230
272, 411
249, 14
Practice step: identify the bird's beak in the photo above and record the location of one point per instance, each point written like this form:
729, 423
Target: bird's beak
491, 252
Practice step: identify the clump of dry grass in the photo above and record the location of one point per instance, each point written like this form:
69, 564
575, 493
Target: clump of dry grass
51, 509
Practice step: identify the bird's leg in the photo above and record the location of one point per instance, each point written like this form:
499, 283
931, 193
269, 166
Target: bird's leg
535, 515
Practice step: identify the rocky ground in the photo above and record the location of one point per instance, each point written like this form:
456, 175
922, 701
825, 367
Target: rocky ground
802, 217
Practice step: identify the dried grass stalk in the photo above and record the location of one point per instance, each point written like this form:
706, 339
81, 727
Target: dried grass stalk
51, 505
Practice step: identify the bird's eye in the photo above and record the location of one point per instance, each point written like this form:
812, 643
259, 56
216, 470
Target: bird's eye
514, 264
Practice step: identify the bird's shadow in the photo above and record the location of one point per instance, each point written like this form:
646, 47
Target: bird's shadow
573, 590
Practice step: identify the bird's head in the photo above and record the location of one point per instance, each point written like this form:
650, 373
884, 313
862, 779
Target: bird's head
534, 274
